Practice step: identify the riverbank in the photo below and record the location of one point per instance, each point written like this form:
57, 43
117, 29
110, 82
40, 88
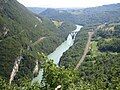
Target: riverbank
74, 54
57, 54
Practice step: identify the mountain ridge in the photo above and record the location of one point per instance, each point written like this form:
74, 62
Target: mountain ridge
87, 16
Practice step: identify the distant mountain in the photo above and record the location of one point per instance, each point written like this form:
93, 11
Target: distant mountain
111, 7
96, 15
36, 10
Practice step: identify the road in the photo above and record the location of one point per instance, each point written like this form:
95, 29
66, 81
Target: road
39, 40
85, 50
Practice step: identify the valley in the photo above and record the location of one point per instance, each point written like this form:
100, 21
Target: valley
59, 48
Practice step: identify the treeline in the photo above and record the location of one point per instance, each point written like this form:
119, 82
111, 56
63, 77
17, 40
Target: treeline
87, 16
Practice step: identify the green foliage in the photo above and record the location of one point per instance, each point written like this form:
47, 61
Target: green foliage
54, 76
112, 45
71, 57
22, 32
25, 85
109, 40
104, 73
8, 55
109, 30
87, 16
100, 70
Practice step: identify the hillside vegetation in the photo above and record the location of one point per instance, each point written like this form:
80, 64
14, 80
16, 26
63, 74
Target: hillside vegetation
19, 30
87, 16
100, 69
27, 38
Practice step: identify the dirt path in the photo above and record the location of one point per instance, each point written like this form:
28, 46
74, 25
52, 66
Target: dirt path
85, 50
39, 40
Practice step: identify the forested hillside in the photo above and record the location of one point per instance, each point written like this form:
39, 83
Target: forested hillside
27, 38
95, 15
100, 69
24, 34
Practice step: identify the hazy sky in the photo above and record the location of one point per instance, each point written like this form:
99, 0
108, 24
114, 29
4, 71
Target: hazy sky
66, 3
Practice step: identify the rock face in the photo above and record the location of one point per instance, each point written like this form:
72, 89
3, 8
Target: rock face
36, 69
58, 87
15, 68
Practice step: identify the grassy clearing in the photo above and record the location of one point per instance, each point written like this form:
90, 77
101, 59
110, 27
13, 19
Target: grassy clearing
94, 49
57, 23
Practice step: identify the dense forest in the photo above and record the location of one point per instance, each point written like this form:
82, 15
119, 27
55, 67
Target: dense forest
21, 34
26, 38
87, 16
101, 66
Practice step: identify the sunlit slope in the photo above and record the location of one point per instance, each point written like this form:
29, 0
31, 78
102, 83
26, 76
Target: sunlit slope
19, 30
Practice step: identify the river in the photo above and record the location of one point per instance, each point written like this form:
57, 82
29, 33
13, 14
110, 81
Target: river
57, 54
